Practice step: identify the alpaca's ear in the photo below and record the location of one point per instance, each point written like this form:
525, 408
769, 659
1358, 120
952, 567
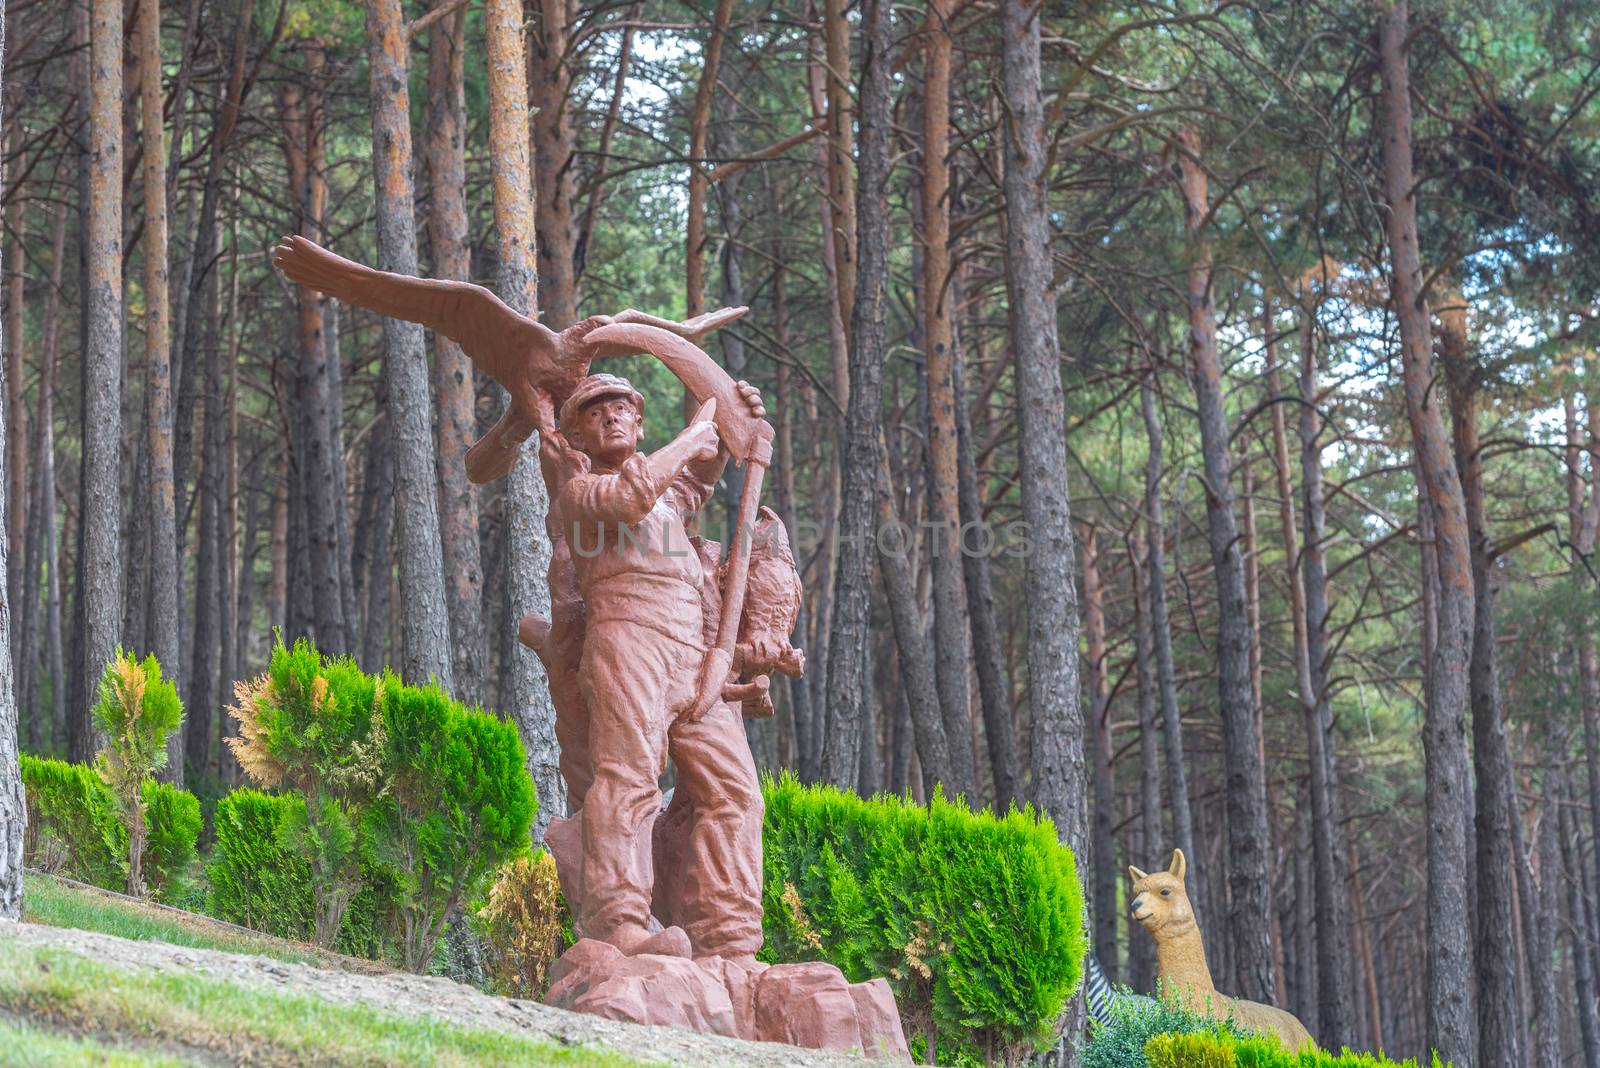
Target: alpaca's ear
1135, 874
1178, 866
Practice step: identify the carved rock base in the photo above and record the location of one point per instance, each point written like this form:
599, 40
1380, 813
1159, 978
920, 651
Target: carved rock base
810, 1005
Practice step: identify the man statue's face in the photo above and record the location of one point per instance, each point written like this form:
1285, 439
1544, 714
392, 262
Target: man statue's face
608, 430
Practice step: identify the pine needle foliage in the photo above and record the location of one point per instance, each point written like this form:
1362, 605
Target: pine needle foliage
974, 919
137, 709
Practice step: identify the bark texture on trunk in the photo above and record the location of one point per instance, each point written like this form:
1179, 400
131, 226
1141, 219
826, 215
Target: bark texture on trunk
425, 627
1497, 825
317, 421
699, 181
551, 59
1449, 787
100, 566
528, 548
1103, 912
1060, 777
944, 506
1308, 593
13, 815
16, 431
1249, 837
1161, 626
452, 371
860, 459
163, 546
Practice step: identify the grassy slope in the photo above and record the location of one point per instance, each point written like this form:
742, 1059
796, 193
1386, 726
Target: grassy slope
58, 1008
52, 901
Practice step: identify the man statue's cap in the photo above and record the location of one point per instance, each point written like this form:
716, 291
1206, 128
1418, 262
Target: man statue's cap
593, 387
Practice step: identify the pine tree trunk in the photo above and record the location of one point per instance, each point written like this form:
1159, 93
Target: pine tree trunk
38, 637
319, 452
861, 459
1060, 779
988, 652
1449, 979
13, 816
16, 436
163, 548
527, 549
1495, 963
944, 504
1151, 847
551, 61
206, 647
699, 184
1578, 926
1333, 1020
425, 628
1249, 838
1161, 625
842, 191
452, 371
100, 567
1104, 910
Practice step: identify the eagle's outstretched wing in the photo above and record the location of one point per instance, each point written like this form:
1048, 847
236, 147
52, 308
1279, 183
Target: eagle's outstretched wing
507, 346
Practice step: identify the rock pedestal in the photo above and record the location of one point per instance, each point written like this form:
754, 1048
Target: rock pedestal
810, 1004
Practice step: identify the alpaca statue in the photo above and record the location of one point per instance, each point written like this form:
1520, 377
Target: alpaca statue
1161, 906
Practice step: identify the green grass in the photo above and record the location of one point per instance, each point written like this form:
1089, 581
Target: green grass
51, 901
61, 1008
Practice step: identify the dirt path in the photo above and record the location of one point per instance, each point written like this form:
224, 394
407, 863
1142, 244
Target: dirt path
414, 995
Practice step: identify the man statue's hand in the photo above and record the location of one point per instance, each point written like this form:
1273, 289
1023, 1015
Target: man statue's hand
701, 440
752, 399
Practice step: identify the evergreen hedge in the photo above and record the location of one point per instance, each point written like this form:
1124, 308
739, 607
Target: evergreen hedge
1203, 1049
975, 920
259, 883
71, 804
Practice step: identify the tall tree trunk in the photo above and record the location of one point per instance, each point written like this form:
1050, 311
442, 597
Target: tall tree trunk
16, 436
1152, 847
1161, 625
452, 371
1497, 1008
13, 815
916, 653
944, 503
842, 192
1104, 910
206, 646
1582, 960
317, 433
1060, 780
861, 461
100, 566
163, 547
551, 62
1449, 982
42, 643
1307, 580
528, 548
699, 181
425, 628
1249, 838
1545, 913
988, 651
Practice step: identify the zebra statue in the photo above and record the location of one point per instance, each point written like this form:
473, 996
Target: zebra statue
1100, 997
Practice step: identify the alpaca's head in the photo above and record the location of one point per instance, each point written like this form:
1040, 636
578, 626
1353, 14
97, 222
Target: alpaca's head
1160, 904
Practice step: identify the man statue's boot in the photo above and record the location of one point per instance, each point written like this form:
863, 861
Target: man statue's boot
635, 941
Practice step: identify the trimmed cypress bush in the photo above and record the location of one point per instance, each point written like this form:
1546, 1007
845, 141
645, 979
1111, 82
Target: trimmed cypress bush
974, 919
72, 819
259, 883
137, 709
458, 804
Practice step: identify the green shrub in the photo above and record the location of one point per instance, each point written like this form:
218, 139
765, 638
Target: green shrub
258, 883
1212, 1049
72, 814
458, 804
1121, 1043
975, 920
314, 725
137, 709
